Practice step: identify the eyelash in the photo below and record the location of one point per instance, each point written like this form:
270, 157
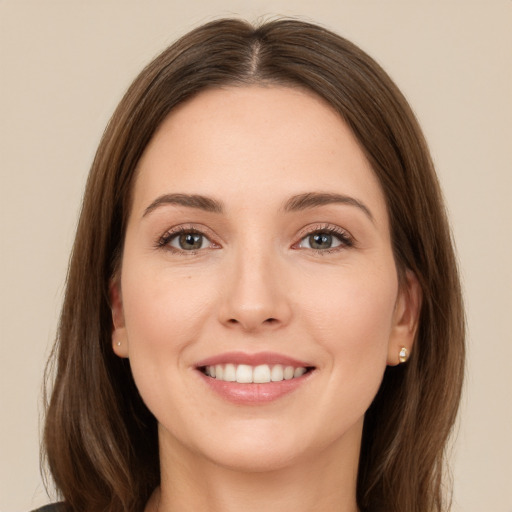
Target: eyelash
345, 239
164, 241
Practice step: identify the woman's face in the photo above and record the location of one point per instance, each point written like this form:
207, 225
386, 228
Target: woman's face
258, 249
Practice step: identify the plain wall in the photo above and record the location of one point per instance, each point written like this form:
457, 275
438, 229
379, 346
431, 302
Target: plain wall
64, 67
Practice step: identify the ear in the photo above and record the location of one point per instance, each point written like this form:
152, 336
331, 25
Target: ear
119, 337
405, 317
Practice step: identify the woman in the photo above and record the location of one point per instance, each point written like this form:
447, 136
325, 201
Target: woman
263, 308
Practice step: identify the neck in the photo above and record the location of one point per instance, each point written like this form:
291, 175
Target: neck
325, 482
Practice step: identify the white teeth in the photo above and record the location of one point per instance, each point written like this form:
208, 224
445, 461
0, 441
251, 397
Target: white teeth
229, 373
246, 374
261, 374
298, 372
277, 373
288, 372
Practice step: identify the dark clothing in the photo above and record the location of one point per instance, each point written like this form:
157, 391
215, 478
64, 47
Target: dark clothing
53, 507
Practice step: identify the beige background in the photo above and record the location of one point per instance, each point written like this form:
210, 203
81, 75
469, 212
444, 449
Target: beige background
65, 65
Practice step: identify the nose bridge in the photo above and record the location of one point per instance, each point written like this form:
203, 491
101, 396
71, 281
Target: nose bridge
255, 295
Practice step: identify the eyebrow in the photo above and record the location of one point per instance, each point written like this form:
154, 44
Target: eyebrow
296, 203
315, 199
189, 200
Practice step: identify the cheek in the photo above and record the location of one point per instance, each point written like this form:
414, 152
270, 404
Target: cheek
165, 312
352, 322
352, 318
161, 307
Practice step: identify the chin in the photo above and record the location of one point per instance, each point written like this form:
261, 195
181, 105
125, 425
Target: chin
255, 459
257, 446
269, 448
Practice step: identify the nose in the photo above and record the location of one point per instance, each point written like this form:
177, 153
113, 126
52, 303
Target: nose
255, 294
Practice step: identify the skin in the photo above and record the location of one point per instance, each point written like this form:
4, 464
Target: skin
256, 285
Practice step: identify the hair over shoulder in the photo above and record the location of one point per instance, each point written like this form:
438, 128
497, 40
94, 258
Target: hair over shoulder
100, 440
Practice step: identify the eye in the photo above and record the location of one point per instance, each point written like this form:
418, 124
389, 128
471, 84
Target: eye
189, 241
325, 239
185, 240
320, 241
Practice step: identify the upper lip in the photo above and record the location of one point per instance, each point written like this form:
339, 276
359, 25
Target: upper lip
270, 358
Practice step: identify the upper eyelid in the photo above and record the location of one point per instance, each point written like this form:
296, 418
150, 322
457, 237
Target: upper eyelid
343, 235
200, 229
169, 234
217, 240
318, 228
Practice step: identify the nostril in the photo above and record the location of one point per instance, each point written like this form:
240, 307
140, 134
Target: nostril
270, 321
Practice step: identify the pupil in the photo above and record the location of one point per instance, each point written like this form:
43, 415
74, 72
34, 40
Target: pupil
190, 241
320, 241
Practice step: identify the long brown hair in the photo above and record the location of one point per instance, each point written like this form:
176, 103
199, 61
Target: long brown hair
100, 439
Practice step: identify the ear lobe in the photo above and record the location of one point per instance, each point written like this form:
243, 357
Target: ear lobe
119, 338
405, 318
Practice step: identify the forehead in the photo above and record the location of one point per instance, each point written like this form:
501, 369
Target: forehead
255, 142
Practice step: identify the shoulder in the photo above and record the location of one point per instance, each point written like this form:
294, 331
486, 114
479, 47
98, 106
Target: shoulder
53, 507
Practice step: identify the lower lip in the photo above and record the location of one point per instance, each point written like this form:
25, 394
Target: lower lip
254, 394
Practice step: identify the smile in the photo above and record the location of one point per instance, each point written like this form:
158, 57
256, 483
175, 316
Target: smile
247, 374
252, 379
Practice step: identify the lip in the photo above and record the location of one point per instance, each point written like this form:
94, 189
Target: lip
253, 394
256, 359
